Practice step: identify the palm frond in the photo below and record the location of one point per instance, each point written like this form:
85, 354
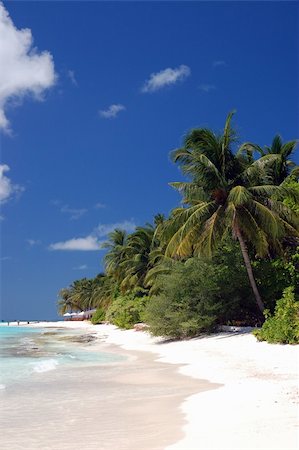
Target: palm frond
252, 231
267, 219
188, 223
239, 195
248, 149
211, 231
280, 192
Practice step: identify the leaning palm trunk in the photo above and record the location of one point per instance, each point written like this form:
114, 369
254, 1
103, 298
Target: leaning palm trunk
247, 262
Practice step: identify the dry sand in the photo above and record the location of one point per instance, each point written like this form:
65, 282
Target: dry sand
256, 403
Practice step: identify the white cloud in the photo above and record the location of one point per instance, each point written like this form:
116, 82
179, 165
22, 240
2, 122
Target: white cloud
23, 70
88, 243
93, 241
112, 111
7, 189
166, 77
207, 87
71, 75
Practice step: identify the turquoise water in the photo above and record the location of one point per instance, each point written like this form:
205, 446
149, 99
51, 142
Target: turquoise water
25, 352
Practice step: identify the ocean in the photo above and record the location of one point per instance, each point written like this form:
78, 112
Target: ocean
67, 389
26, 352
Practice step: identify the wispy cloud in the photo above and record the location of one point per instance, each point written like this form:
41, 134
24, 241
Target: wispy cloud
74, 213
33, 242
7, 188
166, 77
95, 239
219, 63
99, 205
23, 70
112, 111
5, 258
71, 75
82, 267
207, 87
104, 229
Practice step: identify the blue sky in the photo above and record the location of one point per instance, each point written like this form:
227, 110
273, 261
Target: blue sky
86, 128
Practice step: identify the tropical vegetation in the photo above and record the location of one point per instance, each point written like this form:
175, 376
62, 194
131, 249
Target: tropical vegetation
283, 325
225, 255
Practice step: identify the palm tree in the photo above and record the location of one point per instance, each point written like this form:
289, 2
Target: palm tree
159, 263
227, 193
128, 258
104, 290
65, 302
276, 157
116, 246
81, 293
136, 262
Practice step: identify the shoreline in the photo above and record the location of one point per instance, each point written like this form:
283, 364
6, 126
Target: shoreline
256, 405
130, 404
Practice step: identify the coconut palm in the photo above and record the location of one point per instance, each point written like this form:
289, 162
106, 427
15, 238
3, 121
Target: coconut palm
276, 157
81, 293
65, 301
136, 262
159, 263
104, 290
116, 246
227, 194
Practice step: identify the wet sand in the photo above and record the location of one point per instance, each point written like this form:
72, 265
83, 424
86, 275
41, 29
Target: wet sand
129, 405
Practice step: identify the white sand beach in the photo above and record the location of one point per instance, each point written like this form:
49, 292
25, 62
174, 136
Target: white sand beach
256, 402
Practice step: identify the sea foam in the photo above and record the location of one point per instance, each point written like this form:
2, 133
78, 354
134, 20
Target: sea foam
46, 365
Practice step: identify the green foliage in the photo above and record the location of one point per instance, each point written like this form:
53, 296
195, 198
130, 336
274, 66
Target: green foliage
86, 293
290, 201
274, 275
283, 326
126, 310
99, 316
197, 295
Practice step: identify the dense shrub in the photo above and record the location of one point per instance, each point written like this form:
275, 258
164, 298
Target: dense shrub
126, 310
275, 275
283, 326
197, 295
98, 316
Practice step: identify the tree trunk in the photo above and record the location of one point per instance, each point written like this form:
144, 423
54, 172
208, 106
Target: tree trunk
244, 251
